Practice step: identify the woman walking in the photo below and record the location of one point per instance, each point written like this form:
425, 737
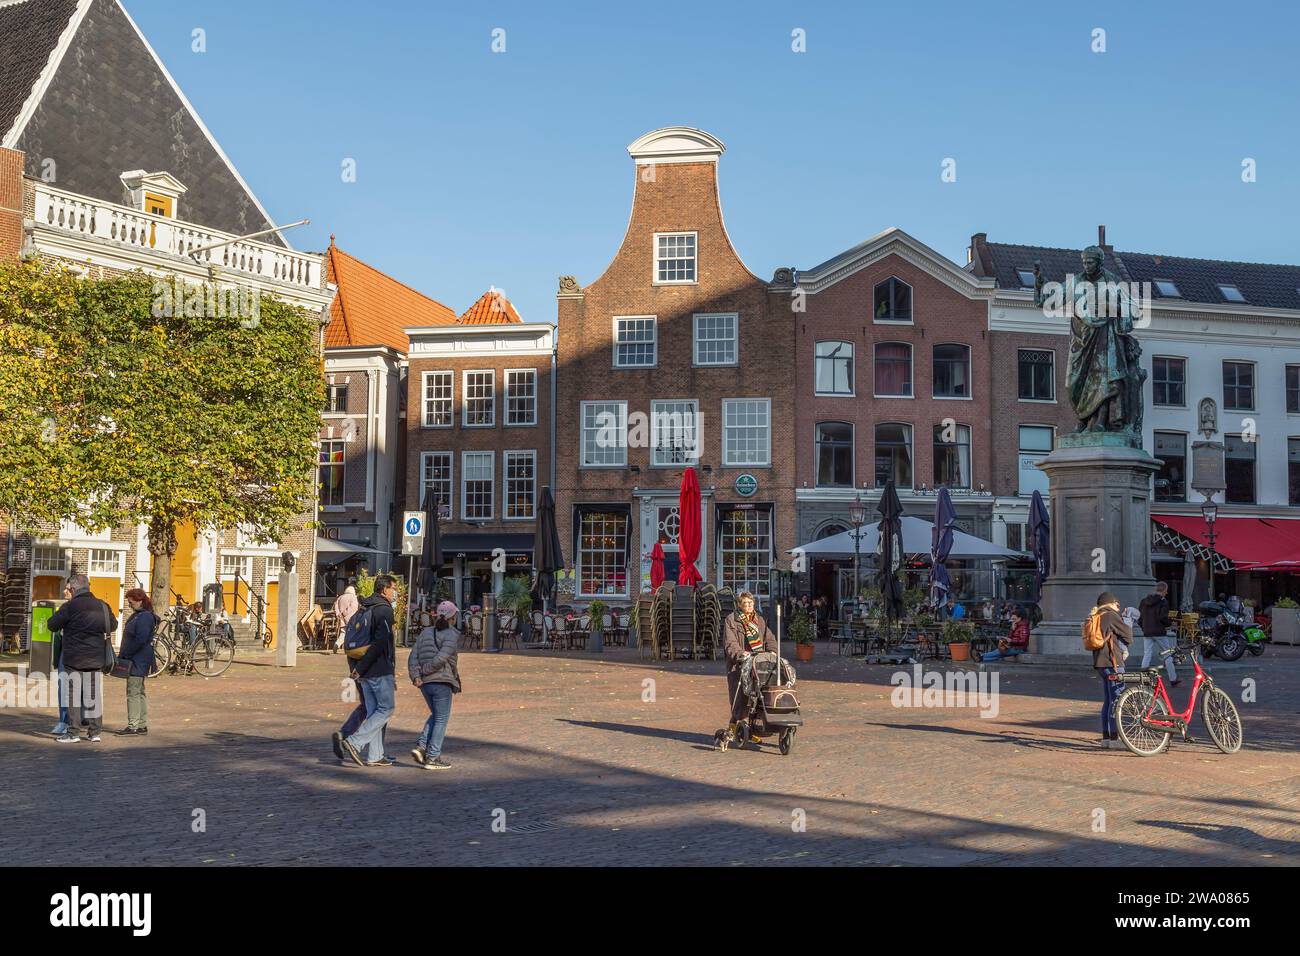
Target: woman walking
1115, 634
432, 668
137, 647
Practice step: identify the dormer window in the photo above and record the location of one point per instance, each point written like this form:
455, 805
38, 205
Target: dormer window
1231, 293
156, 194
1026, 277
1167, 289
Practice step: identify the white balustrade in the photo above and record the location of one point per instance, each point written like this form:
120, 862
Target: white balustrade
124, 226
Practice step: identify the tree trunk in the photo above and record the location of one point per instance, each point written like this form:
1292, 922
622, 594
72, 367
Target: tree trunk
162, 545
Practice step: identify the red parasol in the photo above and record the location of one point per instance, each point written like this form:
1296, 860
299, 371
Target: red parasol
688, 538
656, 567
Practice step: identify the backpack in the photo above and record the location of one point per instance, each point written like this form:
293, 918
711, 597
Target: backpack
1093, 638
356, 639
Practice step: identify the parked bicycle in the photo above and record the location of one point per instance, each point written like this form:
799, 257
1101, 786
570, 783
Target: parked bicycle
1145, 715
190, 643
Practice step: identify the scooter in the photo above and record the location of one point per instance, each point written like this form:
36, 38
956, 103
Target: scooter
1227, 630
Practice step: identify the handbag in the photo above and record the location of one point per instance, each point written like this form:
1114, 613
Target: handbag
112, 662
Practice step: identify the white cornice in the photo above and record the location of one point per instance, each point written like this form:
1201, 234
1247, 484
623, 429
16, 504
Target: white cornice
893, 241
676, 144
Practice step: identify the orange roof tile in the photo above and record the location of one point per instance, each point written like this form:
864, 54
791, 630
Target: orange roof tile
372, 308
492, 308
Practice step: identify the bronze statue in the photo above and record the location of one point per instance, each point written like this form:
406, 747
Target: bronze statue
1104, 374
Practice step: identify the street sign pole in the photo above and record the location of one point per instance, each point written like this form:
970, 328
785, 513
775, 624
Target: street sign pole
413, 524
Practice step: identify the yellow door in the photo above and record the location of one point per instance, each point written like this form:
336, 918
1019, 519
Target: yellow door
272, 607
235, 595
185, 564
108, 590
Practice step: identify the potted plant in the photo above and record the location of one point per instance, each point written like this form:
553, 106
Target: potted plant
1286, 622
801, 630
957, 635
523, 608
597, 611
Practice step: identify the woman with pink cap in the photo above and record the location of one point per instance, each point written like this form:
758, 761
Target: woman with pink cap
432, 668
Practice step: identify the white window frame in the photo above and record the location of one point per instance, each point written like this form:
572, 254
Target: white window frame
735, 339
910, 445
1021, 452
421, 483
41, 567
245, 567
450, 399
343, 473
119, 563
654, 340
853, 453
911, 288
693, 451
970, 374
970, 454
1254, 388
853, 368
621, 408
329, 388
628, 565
654, 266
536, 378
465, 397
726, 460
464, 484
911, 369
505, 483
274, 566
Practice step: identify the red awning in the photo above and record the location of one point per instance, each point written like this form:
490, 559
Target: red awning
1252, 544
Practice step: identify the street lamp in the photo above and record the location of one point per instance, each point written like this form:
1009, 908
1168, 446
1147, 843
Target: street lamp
857, 518
1210, 512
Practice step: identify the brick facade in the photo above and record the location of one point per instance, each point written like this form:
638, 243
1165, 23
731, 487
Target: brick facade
11, 204
675, 194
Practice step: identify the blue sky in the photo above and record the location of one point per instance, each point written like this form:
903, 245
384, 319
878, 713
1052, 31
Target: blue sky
477, 168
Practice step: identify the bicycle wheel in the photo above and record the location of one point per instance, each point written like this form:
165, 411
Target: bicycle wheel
212, 655
162, 656
1222, 720
1132, 708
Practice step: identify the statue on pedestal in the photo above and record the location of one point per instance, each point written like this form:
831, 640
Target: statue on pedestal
1104, 374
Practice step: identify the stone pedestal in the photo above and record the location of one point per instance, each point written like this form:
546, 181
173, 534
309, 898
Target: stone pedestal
286, 621
1099, 492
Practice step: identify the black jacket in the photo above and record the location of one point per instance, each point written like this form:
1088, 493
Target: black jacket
1155, 615
137, 642
82, 621
381, 656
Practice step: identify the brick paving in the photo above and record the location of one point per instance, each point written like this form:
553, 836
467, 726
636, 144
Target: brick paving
587, 772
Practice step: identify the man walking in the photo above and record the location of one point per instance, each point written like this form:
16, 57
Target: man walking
85, 623
376, 673
1155, 627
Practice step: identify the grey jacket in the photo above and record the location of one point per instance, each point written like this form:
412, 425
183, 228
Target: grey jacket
433, 659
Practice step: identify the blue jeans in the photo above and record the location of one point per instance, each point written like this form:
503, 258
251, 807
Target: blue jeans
998, 655
1150, 645
1110, 692
438, 697
380, 695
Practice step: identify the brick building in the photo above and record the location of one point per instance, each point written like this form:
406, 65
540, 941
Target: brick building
674, 356
479, 437
892, 372
362, 458
105, 167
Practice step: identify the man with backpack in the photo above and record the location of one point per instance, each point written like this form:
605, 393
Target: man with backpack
368, 642
1155, 629
86, 623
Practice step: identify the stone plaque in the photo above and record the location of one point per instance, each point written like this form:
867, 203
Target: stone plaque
1207, 466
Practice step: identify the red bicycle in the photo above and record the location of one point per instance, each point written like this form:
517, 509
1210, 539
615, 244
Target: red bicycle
1145, 715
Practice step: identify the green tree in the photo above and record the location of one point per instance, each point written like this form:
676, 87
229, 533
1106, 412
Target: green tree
128, 408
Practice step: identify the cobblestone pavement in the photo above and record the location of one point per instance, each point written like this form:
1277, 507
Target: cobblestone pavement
587, 772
